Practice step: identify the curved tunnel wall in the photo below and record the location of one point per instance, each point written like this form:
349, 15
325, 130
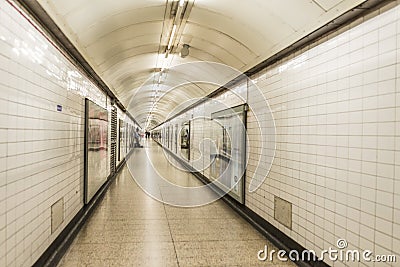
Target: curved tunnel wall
336, 108
42, 111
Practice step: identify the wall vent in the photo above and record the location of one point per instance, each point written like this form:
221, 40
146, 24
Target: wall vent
57, 214
283, 211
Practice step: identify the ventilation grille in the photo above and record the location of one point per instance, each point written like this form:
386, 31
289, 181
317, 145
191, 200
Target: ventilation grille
113, 140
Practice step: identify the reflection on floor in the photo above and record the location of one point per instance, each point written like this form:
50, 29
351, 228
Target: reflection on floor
129, 228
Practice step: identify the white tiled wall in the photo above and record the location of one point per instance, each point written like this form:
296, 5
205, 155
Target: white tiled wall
41, 149
337, 112
200, 130
337, 115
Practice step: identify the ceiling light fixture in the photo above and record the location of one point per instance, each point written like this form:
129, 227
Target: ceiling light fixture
181, 3
171, 38
185, 50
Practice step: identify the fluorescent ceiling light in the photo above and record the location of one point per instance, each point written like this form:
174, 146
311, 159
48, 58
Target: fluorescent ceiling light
171, 37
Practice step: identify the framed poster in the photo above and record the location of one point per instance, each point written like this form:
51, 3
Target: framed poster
185, 140
96, 149
228, 164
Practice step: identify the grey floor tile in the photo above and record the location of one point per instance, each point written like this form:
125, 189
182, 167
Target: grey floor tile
129, 228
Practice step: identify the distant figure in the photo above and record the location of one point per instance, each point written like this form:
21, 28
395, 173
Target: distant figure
137, 137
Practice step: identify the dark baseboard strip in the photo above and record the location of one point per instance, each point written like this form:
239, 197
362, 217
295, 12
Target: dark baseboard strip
55, 252
273, 234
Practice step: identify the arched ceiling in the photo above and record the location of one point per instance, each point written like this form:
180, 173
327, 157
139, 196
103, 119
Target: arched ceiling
125, 41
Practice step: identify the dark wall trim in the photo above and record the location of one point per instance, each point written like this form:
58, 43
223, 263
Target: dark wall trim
273, 234
55, 252
367, 7
65, 46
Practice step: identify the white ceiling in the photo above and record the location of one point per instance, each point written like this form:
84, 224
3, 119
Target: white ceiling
124, 40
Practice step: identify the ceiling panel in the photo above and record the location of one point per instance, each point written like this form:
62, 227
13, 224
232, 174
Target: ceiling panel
328, 4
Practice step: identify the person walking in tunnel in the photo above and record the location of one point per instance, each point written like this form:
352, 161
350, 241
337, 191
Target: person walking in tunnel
137, 137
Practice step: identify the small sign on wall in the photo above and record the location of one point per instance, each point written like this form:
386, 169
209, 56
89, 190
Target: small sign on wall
59, 108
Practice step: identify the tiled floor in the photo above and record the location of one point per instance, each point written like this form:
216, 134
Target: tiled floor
129, 228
